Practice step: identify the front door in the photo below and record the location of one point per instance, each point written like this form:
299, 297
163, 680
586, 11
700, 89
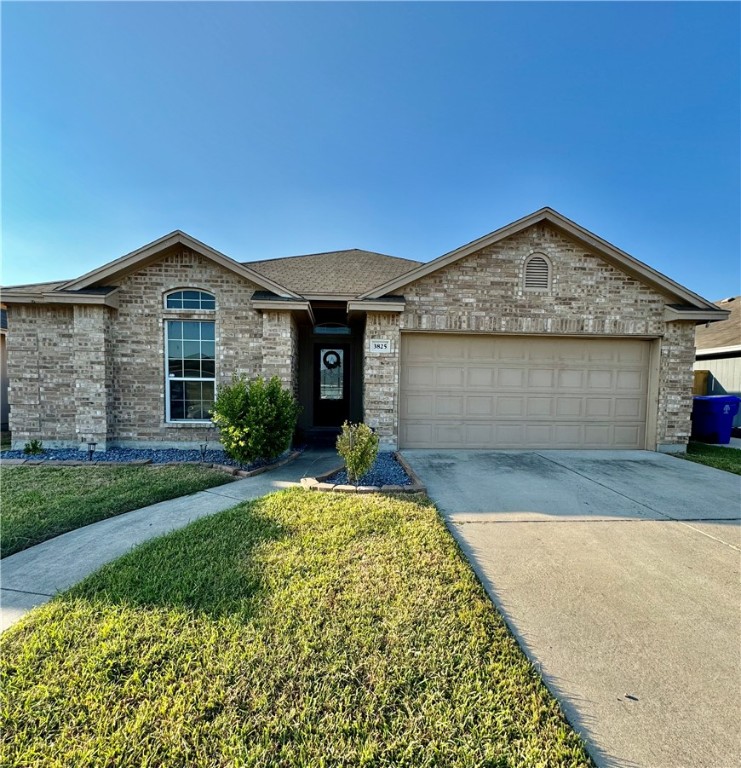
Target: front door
331, 384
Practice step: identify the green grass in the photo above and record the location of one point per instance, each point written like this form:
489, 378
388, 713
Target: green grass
303, 629
728, 459
39, 503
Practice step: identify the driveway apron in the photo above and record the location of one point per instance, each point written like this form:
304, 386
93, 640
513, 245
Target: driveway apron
619, 574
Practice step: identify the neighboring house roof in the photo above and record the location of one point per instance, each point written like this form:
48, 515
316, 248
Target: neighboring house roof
723, 335
334, 273
609, 252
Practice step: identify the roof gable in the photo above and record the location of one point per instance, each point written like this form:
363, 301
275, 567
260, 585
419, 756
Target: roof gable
151, 252
608, 252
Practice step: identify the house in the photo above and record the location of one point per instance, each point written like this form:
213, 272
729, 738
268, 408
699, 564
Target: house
538, 335
4, 408
719, 352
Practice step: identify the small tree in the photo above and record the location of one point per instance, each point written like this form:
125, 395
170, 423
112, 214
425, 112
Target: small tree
256, 419
357, 444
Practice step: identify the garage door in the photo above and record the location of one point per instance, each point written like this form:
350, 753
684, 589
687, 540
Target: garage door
522, 392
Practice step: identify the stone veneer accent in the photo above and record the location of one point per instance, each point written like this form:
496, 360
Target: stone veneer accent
484, 293
68, 385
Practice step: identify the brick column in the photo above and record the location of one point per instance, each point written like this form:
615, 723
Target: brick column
93, 367
676, 378
381, 377
280, 348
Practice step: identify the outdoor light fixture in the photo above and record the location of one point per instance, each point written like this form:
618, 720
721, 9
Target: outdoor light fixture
203, 452
90, 450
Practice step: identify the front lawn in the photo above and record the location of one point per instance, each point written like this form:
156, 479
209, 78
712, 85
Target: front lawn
302, 629
728, 459
39, 503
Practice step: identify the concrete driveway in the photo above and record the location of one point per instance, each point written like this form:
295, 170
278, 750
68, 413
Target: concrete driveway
619, 574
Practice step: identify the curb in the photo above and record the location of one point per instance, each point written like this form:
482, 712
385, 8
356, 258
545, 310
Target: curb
319, 483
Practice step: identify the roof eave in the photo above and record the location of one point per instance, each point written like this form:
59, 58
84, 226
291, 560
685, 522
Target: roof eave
109, 299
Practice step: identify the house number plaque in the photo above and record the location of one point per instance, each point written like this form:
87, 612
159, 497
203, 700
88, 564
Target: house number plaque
380, 345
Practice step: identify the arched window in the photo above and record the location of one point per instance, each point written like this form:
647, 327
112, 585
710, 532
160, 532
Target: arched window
537, 275
190, 299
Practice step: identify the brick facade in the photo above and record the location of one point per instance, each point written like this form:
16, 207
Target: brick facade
484, 293
91, 372
81, 372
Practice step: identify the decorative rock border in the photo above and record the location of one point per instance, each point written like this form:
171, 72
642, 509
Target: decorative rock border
319, 483
30, 462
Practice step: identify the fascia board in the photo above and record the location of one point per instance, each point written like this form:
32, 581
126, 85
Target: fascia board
699, 315
375, 306
55, 297
718, 350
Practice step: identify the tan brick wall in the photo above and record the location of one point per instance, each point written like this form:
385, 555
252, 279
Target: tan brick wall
381, 377
41, 373
137, 335
484, 293
280, 348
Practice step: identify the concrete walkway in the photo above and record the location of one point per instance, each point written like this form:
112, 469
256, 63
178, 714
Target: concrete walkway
34, 576
618, 572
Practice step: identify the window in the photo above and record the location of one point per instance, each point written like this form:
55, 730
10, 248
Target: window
192, 300
537, 273
190, 369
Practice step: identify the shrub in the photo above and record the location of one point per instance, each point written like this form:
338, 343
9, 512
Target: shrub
358, 446
33, 448
256, 419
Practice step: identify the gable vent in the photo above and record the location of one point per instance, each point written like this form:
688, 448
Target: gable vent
537, 273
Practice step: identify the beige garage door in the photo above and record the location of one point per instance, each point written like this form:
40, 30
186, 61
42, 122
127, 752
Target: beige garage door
522, 392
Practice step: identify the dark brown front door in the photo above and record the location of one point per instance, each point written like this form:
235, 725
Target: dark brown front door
331, 384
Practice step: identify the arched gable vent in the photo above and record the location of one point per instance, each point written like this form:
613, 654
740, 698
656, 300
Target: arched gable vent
537, 273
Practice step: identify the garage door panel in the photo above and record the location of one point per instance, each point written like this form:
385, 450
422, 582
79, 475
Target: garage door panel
449, 405
570, 379
630, 381
599, 379
569, 407
471, 391
480, 377
511, 377
447, 377
600, 407
417, 405
419, 375
540, 378
480, 405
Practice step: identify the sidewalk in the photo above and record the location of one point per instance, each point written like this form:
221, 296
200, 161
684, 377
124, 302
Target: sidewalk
34, 576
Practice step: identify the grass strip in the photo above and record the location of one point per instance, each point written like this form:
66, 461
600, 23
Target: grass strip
302, 629
39, 503
727, 459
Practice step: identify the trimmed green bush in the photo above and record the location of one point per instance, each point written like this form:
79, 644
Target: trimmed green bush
358, 446
256, 419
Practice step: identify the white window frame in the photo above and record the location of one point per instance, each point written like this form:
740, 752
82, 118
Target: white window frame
549, 267
168, 378
188, 309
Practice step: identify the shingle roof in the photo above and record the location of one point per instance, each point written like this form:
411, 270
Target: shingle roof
726, 333
344, 273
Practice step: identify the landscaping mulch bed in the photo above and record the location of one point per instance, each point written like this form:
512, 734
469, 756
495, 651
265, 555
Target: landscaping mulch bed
389, 474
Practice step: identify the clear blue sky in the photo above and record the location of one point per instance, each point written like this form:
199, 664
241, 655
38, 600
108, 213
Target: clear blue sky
275, 129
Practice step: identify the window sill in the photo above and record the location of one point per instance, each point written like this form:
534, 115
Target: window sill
190, 424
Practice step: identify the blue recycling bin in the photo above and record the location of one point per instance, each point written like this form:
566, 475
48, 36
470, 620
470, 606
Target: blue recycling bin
712, 417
